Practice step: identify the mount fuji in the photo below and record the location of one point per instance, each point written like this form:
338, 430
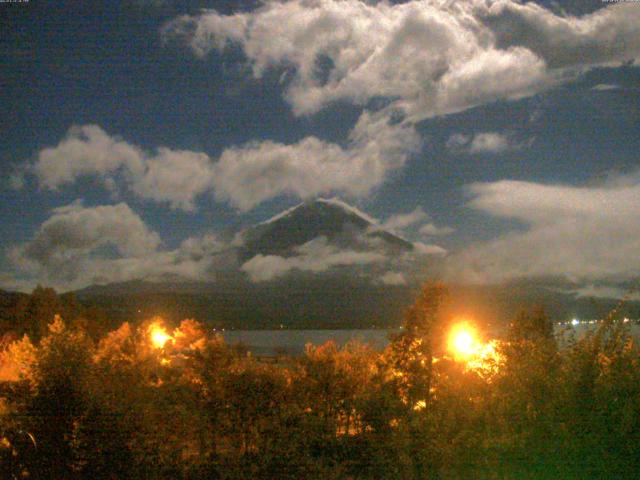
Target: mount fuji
322, 263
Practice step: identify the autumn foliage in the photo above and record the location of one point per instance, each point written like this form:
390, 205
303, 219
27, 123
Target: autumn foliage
155, 401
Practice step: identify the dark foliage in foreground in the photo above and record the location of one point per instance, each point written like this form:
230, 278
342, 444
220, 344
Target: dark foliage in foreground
192, 407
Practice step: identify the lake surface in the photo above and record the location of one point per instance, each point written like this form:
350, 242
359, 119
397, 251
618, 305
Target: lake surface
292, 342
270, 342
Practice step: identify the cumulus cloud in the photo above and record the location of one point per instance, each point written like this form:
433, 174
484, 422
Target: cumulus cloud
86, 150
431, 58
177, 177
243, 176
585, 234
400, 221
78, 246
318, 255
485, 142
173, 176
605, 37
63, 241
247, 175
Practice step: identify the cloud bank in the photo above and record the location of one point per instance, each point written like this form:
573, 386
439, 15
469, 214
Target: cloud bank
585, 234
243, 176
78, 246
176, 177
317, 256
431, 58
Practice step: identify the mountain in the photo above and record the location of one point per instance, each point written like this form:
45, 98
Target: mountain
341, 224
328, 256
323, 264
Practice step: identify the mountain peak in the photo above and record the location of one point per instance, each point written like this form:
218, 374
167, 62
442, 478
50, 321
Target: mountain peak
332, 218
320, 203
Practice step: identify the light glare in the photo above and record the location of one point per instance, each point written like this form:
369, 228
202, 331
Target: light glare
462, 341
159, 336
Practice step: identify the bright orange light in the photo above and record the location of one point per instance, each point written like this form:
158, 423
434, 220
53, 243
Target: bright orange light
465, 346
462, 341
159, 336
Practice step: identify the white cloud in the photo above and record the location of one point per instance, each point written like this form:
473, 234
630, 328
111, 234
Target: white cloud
432, 58
458, 141
432, 230
605, 37
401, 221
485, 142
177, 177
79, 246
489, 143
582, 233
173, 176
63, 242
86, 150
428, 250
315, 256
244, 176
248, 175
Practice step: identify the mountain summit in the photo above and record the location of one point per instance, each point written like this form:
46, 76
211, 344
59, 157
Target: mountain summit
342, 225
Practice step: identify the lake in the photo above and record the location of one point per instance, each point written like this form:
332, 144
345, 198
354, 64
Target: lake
271, 342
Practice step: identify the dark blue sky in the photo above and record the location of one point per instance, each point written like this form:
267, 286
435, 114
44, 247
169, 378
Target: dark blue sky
106, 63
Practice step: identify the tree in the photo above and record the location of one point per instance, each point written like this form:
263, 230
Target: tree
534, 326
61, 398
412, 350
35, 312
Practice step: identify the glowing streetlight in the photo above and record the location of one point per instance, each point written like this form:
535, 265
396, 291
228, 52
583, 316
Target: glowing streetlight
462, 341
159, 336
477, 355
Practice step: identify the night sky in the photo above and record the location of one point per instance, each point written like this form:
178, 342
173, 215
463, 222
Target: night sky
137, 132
